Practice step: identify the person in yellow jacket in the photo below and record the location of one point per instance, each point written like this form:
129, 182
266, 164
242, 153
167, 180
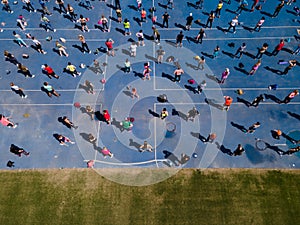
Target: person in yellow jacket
126, 24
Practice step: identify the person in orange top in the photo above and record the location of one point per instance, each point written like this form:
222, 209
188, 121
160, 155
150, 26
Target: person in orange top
143, 16
227, 103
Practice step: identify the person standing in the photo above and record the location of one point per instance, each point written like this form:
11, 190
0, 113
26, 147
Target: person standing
165, 18
50, 90
179, 39
106, 116
119, 15
211, 138
240, 51
134, 93
200, 36
224, 76
292, 64
103, 20
127, 66
164, 114
133, 48
117, 4
216, 51
259, 24
253, 127
84, 46
160, 54
126, 25
82, 20
278, 8
140, 36
110, 49
17, 90
143, 16
290, 96
178, 72
255, 67
257, 100
278, 48
189, 21
227, 103
262, 51
210, 19
219, 8
239, 150
201, 62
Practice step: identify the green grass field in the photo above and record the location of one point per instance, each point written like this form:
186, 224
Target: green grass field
82, 196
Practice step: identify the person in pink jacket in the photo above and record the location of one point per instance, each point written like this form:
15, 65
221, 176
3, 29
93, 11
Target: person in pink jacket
5, 122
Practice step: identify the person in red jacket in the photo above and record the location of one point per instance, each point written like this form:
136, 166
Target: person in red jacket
110, 49
106, 116
227, 103
278, 48
49, 71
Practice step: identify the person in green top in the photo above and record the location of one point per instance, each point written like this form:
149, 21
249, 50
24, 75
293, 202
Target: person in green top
126, 124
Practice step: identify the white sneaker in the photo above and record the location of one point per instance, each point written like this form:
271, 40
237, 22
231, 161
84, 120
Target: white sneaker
14, 126
112, 155
25, 96
32, 76
54, 30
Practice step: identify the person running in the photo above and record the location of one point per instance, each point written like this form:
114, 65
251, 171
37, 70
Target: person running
255, 67
242, 6
189, 21
68, 122
146, 72
6, 6
50, 90
21, 22
24, 70
240, 51
179, 39
89, 87
140, 36
234, 22
49, 71
61, 5
10, 57
219, 8
6, 122
259, 24
29, 6
143, 16
19, 40
72, 70
292, 150
17, 90
106, 152
44, 7
257, 100
192, 114
106, 116
178, 72
84, 46
290, 96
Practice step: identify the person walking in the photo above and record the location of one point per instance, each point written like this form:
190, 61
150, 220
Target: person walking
234, 22
278, 9
192, 114
262, 51
45, 22
6, 6
259, 24
201, 62
253, 127
178, 72
278, 48
290, 96
50, 90
17, 90
89, 87
90, 111
165, 18
117, 4
49, 71
240, 51
292, 64
201, 87
179, 39
227, 103
164, 114
97, 67
255, 67
257, 100
38, 45
19, 40
189, 21
219, 8
44, 7
255, 3
224, 76
140, 36
210, 19
160, 55
84, 46
61, 49
145, 147
200, 36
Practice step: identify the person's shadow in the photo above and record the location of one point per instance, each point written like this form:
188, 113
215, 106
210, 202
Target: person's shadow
240, 127
273, 98
278, 72
167, 76
155, 114
290, 139
223, 149
134, 144
212, 77
213, 103
228, 54
180, 114
248, 104
191, 88
60, 119
199, 136
171, 157
117, 124
295, 115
